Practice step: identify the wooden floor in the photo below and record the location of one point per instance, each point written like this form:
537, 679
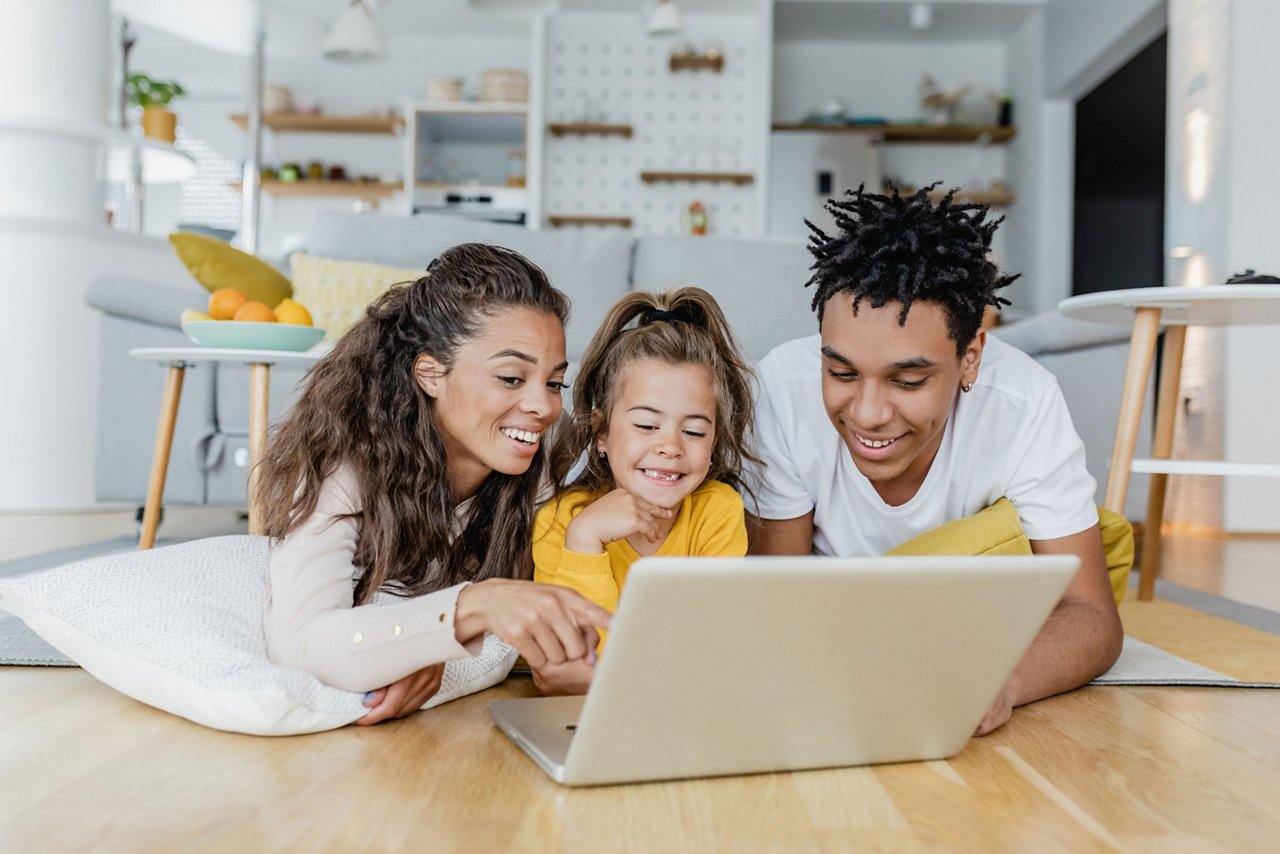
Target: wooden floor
1117, 768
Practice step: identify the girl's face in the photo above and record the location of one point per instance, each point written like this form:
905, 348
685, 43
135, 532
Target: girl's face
661, 431
499, 398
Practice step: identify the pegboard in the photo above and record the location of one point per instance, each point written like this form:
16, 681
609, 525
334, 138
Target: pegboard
604, 67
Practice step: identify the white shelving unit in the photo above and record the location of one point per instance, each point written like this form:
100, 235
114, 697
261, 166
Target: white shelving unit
456, 158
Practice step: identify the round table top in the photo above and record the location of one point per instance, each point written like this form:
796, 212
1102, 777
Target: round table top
1215, 305
219, 354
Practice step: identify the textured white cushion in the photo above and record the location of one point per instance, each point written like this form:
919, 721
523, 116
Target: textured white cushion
180, 628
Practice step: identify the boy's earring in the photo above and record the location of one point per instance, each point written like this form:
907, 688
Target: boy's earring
966, 387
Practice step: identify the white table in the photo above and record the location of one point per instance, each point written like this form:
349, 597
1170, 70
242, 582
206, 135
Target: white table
1149, 309
179, 359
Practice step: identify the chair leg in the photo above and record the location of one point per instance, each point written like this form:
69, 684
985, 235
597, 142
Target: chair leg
1175, 338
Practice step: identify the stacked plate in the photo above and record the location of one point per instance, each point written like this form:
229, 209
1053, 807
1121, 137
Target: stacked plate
277, 98
504, 84
444, 89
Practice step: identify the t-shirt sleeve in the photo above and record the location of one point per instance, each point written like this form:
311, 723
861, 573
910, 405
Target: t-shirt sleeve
311, 621
1049, 484
779, 490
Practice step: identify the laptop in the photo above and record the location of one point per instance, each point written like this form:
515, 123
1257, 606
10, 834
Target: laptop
720, 666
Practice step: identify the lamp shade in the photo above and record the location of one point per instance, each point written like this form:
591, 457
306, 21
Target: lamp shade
665, 19
355, 35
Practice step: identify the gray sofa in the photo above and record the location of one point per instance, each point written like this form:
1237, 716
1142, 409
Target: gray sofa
758, 283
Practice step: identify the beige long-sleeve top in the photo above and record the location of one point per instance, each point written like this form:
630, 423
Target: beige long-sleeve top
311, 621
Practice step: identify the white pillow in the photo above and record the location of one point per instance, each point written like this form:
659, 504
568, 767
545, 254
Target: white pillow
180, 628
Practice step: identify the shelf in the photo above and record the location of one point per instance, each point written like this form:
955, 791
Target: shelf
559, 221
912, 133
470, 108
697, 63
713, 177
567, 128
1206, 467
328, 189
299, 123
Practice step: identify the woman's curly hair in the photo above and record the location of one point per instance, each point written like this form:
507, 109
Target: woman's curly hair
891, 248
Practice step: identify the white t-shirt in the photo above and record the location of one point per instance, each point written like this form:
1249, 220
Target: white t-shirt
1011, 436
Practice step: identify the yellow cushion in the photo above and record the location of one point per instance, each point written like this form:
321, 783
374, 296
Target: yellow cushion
337, 292
217, 264
997, 530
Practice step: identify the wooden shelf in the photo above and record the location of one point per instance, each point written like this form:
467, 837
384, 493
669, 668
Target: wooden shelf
713, 177
298, 123
912, 133
562, 220
567, 128
329, 189
968, 197
697, 63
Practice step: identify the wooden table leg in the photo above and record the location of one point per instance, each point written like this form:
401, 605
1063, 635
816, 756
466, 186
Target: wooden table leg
160, 456
1142, 348
1175, 338
259, 396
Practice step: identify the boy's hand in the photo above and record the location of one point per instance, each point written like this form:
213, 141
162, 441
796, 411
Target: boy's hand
614, 517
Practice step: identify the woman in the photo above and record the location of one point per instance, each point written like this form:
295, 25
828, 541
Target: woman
411, 464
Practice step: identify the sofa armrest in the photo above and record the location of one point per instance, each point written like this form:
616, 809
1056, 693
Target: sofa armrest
142, 299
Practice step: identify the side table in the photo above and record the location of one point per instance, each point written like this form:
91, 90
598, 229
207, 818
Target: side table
178, 360
1174, 308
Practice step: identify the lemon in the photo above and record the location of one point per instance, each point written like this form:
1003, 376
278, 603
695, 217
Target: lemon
296, 313
192, 314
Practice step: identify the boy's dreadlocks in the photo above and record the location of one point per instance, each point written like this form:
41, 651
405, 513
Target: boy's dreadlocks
895, 249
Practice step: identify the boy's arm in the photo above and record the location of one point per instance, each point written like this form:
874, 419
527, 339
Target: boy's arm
781, 536
1081, 639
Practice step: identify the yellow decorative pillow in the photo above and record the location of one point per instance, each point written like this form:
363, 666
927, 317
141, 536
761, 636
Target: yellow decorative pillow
217, 264
997, 530
337, 292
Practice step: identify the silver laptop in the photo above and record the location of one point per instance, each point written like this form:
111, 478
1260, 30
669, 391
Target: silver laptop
741, 665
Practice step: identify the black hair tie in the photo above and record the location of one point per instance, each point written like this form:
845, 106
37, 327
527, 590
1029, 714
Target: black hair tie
658, 314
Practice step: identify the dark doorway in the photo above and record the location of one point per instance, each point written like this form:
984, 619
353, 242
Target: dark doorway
1118, 234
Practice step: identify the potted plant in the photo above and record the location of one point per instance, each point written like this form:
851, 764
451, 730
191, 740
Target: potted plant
154, 96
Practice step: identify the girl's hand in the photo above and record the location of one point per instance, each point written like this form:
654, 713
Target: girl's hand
614, 516
545, 623
556, 680
402, 697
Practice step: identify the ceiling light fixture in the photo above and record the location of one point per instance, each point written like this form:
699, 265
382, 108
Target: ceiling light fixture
664, 19
355, 35
921, 16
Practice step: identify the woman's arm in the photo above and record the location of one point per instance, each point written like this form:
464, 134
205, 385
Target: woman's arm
1081, 639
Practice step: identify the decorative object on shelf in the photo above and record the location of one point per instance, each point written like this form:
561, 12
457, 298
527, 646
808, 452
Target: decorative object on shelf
336, 173
939, 106
290, 172
515, 167
315, 171
355, 35
277, 98
664, 20
444, 89
710, 59
504, 85
694, 219
154, 96
1004, 108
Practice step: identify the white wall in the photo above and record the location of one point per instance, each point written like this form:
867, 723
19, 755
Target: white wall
1090, 39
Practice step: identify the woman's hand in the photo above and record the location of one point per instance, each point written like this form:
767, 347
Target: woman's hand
611, 517
402, 697
545, 623
556, 680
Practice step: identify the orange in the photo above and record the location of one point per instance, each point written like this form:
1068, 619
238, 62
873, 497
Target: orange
256, 312
225, 302
296, 313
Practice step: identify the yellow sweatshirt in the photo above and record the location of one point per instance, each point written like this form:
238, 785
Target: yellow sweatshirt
709, 523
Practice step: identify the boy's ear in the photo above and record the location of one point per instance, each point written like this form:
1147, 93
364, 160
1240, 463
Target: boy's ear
428, 373
972, 358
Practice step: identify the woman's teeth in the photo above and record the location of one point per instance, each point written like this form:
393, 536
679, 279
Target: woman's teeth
520, 435
662, 475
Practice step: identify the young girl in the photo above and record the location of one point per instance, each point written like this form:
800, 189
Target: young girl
662, 412
411, 464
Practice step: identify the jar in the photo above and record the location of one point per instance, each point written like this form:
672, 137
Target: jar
290, 172
515, 167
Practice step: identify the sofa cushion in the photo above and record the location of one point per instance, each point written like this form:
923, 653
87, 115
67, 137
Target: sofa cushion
217, 264
337, 292
141, 299
591, 267
758, 283
180, 628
